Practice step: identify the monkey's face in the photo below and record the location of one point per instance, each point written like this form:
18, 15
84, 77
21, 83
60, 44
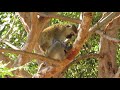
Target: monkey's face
70, 31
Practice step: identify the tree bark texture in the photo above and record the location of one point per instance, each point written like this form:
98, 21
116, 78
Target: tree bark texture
108, 49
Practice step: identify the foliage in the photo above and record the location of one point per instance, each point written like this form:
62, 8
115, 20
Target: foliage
7, 72
11, 23
4, 71
68, 14
86, 68
31, 67
118, 51
83, 69
11, 30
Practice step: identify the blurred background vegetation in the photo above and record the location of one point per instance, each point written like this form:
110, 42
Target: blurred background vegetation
11, 30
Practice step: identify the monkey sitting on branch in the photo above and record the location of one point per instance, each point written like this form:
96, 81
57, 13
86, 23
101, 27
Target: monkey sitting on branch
54, 40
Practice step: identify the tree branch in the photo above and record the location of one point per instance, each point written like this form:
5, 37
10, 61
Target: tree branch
104, 14
9, 44
36, 28
101, 33
32, 55
44, 14
107, 66
112, 25
25, 19
102, 22
82, 35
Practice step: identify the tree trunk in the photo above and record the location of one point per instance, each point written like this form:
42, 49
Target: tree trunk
108, 49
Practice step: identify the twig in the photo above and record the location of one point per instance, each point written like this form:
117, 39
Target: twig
60, 17
36, 75
105, 14
25, 20
102, 22
9, 44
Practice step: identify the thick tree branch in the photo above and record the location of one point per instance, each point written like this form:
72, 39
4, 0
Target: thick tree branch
32, 56
49, 15
107, 64
82, 35
36, 28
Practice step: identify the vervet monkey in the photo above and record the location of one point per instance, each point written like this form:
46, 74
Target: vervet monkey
52, 40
